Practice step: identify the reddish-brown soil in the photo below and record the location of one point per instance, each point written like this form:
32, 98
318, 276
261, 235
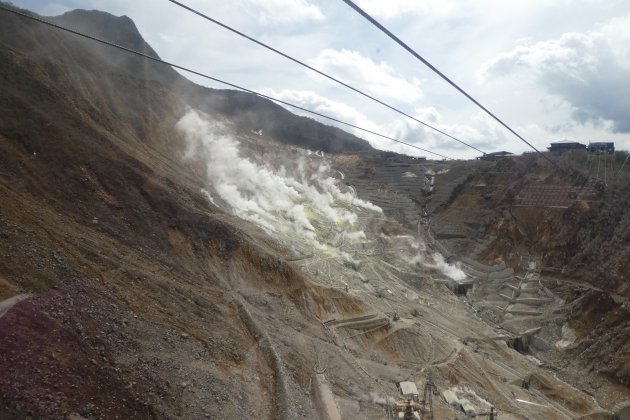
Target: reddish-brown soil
150, 302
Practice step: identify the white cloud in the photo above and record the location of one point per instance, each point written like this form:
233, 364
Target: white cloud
571, 55
341, 111
378, 78
315, 102
393, 9
269, 12
344, 112
589, 70
455, 35
481, 131
396, 8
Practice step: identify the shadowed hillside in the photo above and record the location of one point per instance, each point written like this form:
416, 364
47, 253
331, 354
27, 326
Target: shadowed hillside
160, 260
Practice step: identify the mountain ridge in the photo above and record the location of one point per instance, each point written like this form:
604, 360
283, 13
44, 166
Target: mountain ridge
152, 299
251, 111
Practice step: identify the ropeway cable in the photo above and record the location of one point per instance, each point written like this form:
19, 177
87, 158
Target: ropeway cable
624, 164
443, 76
159, 60
301, 63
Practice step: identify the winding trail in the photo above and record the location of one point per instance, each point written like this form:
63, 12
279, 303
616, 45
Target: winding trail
7, 304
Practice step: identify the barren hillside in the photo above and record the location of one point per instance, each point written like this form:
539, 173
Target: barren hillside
161, 259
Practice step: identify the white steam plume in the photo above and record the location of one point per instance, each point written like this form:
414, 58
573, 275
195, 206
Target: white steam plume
450, 270
271, 198
417, 254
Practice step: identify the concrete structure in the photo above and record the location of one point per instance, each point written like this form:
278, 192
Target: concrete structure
601, 147
563, 146
408, 389
462, 404
359, 323
496, 155
409, 407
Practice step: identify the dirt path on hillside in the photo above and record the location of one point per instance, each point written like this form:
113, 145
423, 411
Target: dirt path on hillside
8, 303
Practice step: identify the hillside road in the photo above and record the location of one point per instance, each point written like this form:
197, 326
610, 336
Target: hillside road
8, 303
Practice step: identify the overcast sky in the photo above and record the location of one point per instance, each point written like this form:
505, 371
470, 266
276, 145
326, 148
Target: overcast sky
552, 69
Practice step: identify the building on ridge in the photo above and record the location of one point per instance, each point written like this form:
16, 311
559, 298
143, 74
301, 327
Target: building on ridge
601, 147
495, 155
563, 146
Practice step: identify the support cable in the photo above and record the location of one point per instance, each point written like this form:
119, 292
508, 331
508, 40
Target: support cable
443, 76
159, 60
599, 159
624, 164
303, 64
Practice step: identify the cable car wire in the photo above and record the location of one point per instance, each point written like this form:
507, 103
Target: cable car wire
197, 73
442, 75
303, 64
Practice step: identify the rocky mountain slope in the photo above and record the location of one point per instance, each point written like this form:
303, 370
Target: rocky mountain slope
476, 210
584, 249
159, 260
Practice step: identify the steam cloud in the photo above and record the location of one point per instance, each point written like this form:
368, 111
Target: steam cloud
419, 256
302, 203
378, 399
270, 197
452, 271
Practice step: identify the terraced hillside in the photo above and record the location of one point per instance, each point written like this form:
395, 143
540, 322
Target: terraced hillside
403, 185
475, 218
160, 260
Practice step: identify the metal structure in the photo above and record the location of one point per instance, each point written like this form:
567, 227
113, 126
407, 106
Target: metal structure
427, 399
407, 410
410, 406
491, 415
558, 196
531, 263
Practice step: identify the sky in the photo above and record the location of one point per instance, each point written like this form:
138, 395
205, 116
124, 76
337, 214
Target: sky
553, 70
